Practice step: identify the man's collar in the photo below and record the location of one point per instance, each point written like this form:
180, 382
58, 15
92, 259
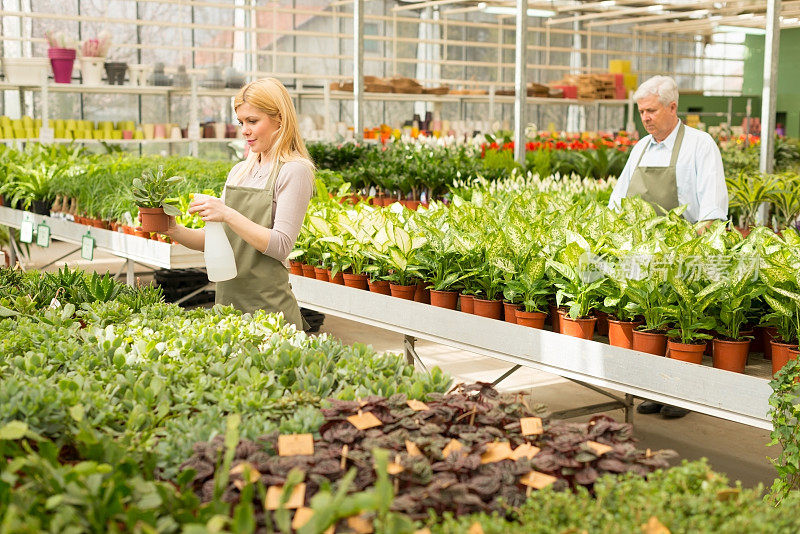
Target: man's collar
669, 141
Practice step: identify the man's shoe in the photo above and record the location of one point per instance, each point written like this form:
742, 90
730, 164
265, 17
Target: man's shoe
648, 407
673, 412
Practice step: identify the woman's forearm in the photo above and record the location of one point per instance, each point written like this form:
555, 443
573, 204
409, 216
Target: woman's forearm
188, 237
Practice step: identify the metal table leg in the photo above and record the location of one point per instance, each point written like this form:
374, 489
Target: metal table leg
129, 278
506, 375
411, 353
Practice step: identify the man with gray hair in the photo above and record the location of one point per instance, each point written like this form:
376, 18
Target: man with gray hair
674, 165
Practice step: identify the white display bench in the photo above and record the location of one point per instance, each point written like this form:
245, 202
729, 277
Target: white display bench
732, 396
132, 248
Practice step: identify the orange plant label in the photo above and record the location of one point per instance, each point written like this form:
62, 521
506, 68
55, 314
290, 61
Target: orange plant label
654, 526
537, 480
301, 517
530, 425
417, 406
359, 525
496, 452
363, 421
296, 499
526, 450
598, 448
239, 469
412, 449
296, 445
453, 446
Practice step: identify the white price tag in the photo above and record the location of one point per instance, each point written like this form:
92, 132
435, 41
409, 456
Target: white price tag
87, 247
26, 232
43, 235
47, 135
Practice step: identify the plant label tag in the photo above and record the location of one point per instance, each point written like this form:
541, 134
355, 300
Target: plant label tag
654, 526
526, 450
26, 232
598, 448
47, 136
530, 425
296, 445
364, 420
87, 247
301, 517
728, 494
43, 235
537, 480
296, 499
239, 469
394, 469
496, 452
417, 406
359, 524
453, 446
412, 449
476, 528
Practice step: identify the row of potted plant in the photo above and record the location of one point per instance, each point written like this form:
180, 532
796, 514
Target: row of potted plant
97, 189
520, 255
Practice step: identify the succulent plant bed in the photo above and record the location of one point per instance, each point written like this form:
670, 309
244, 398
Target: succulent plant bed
469, 451
157, 378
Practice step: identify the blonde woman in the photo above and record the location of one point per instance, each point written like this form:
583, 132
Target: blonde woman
263, 203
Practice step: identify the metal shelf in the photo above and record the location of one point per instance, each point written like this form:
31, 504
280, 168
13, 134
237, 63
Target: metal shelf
723, 394
304, 93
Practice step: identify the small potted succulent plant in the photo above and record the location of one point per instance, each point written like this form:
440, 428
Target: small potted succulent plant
151, 192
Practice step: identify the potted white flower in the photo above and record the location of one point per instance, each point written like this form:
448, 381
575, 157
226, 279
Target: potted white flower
93, 55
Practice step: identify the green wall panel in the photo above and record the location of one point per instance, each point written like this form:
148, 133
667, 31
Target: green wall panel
788, 101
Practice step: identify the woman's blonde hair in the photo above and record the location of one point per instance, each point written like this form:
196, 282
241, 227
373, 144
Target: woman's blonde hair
271, 97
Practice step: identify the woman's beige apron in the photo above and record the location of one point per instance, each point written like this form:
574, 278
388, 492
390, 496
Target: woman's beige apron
262, 282
658, 185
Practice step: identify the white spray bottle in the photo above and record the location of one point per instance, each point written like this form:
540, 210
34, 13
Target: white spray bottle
218, 253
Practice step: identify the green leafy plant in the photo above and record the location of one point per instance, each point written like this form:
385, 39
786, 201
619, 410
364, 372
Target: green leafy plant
747, 192
686, 311
394, 245
617, 301
784, 412
532, 286
785, 199
31, 183
734, 299
576, 278
153, 189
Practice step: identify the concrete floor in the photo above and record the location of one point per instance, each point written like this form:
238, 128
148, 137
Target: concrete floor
737, 450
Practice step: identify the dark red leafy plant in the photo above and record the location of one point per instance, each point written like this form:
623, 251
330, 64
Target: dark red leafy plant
459, 483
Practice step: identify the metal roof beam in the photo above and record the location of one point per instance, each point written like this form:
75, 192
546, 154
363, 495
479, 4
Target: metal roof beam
604, 14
